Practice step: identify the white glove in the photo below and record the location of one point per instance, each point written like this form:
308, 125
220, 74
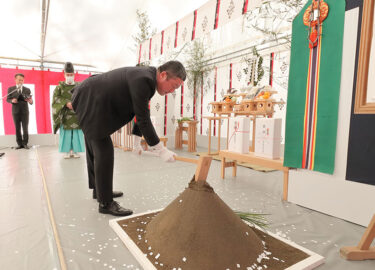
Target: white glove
137, 147
161, 151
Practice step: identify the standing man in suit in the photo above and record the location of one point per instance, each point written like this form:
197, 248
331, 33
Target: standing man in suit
106, 102
20, 98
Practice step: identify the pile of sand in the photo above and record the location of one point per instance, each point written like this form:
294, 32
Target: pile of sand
199, 231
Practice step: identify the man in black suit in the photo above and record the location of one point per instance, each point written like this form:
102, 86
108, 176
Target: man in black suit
106, 102
20, 96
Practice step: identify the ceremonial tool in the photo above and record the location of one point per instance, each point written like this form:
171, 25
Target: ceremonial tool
203, 166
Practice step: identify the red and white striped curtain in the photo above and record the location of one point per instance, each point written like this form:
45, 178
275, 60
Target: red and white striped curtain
41, 84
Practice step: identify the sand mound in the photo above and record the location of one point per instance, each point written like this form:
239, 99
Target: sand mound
199, 231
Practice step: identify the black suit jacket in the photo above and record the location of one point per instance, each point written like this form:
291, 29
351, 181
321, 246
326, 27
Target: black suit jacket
22, 106
106, 102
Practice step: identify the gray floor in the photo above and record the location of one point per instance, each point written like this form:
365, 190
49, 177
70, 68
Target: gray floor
26, 236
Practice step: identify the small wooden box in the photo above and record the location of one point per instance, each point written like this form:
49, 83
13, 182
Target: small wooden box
227, 107
216, 107
265, 106
269, 106
249, 105
261, 106
238, 108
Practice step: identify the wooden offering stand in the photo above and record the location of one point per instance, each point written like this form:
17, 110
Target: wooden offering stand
261, 105
191, 130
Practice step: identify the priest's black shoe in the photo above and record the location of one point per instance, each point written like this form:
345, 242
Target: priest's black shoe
26, 146
115, 194
113, 208
19, 147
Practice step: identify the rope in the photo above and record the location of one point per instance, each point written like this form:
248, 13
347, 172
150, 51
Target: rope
52, 219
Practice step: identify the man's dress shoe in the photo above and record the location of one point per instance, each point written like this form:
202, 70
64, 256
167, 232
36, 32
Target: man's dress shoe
115, 194
19, 147
26, 147
113, 208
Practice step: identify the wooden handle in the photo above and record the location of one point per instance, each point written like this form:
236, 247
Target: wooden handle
185, 159
203, 166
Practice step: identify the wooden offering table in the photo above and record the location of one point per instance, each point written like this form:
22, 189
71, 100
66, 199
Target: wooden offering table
276, 164
214, 118
191, 130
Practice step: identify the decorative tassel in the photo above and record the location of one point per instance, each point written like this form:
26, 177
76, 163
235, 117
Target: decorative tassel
313, 38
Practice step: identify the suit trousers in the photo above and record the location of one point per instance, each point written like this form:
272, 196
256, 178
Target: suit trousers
21, 119
99, 159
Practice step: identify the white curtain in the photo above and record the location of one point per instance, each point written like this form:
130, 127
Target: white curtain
185, 29
157, 112
208, 96
205, 19
188, 100
156, 46
254, 4
169, 38
145, 51
280, 84
170, 113
221, 89
229, 10
239, 77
